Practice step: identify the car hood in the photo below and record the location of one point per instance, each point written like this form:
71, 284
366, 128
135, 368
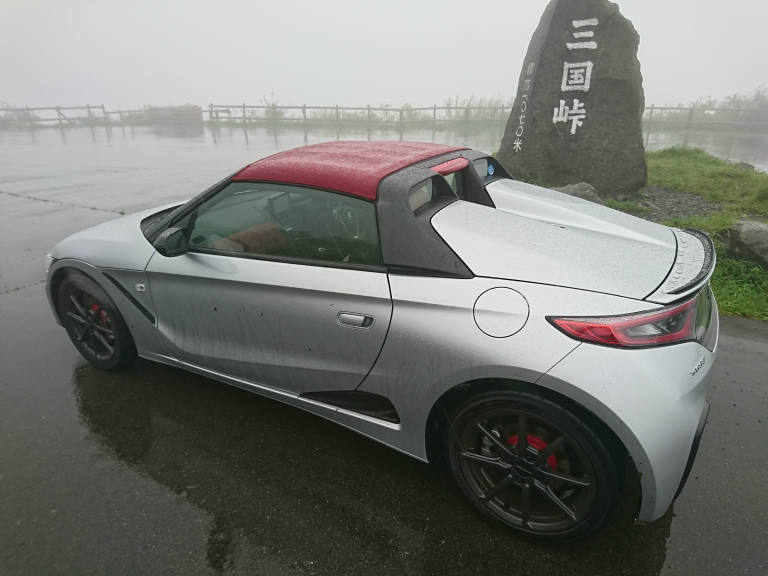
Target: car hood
539, 235
115, 244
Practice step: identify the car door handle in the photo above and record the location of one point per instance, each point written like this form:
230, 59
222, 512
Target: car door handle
355, 320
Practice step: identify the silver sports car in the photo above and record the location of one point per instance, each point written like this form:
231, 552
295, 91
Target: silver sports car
419, 295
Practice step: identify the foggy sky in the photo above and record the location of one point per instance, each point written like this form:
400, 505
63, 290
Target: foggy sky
130, 53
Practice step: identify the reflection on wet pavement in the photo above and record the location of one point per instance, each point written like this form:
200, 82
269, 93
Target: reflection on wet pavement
301, 492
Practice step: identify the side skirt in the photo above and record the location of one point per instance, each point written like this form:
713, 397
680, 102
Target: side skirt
357, 401
360, 423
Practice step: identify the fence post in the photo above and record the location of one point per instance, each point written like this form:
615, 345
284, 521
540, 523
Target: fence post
688, 125
368, 114
304, 112
646, 127
502, 111
690, 117
337, 113
434, 115
401, 118
244, 120
210, 112
106, 121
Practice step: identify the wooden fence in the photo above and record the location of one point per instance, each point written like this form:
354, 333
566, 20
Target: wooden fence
53, 116
247, 114
654, 117
704, 118
97, 115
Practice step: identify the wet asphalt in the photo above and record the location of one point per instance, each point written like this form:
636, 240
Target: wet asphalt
157, 471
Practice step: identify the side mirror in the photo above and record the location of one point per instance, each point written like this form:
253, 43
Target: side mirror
171, 242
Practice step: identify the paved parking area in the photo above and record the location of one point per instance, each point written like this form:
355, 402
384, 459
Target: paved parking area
156, 471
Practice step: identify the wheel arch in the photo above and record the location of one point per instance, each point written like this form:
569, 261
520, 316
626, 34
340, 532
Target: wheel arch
122, 350
439, 415
57, 276
66, 268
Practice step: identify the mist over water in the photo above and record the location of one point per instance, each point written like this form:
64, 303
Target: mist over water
751, 148
144, 166
131, 169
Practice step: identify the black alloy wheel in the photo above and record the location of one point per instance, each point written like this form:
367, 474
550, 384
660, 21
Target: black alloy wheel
532, 465
93, 323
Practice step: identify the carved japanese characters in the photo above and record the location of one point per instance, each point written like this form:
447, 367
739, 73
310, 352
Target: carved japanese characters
577, 114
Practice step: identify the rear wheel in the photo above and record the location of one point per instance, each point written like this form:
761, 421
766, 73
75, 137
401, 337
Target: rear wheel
531, 464
94, 324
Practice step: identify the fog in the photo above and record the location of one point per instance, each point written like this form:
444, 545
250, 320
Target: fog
128, 54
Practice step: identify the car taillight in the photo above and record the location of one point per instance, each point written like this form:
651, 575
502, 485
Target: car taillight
668, 325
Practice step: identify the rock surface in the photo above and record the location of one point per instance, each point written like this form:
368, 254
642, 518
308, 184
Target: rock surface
578, 111
749, 240
582, 190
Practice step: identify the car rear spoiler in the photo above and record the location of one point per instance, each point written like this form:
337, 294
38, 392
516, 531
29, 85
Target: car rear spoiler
693, 267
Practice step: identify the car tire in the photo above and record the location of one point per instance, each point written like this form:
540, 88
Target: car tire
562, 482
94, 324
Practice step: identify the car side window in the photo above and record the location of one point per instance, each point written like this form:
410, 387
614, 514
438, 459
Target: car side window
283, 221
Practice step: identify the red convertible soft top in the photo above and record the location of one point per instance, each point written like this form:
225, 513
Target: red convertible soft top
352, 167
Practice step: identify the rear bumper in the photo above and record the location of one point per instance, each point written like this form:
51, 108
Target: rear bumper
654, 400
694, 448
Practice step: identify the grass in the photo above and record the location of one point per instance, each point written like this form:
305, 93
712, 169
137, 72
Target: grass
740, 190
629, 207
740, 286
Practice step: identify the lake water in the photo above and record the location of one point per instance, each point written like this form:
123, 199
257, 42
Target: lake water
738, 147
128, 169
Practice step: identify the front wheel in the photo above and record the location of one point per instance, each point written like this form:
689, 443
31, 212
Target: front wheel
94, 324
531, 464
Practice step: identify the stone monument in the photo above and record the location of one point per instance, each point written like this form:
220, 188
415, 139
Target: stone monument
577, 116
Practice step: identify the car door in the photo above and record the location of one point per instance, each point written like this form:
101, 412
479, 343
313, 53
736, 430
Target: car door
282, 285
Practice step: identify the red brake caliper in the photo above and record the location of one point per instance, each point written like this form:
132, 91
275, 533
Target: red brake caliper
537, 443
96, 309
